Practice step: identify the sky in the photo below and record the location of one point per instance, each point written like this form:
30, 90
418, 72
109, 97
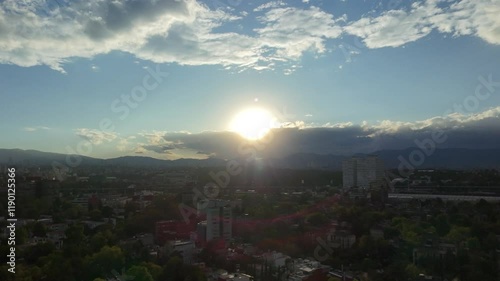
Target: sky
169, 78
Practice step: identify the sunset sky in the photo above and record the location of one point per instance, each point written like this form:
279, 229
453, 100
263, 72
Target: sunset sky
167, 79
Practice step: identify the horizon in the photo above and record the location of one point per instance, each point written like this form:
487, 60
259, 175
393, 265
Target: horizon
197, 79
373, 153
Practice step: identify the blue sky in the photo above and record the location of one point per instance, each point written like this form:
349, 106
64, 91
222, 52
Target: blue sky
370, 70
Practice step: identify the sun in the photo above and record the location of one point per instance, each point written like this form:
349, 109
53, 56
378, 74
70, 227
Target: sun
253, 123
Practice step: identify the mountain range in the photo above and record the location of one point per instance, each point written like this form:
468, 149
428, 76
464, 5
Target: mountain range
455, 158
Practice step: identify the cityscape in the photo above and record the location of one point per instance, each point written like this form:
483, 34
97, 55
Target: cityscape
230, 140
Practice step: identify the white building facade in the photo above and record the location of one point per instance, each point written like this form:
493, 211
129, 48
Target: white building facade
219, 220
362, 172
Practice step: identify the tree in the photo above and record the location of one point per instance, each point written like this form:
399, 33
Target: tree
73, 244
21, 235
55, 267
25, 273
172, 269
442, 225
458, 234
104, 262
95, 215
139, 273
33, 253
154, 269
318, 219
99, 240
412, 270
39, 230
107, 211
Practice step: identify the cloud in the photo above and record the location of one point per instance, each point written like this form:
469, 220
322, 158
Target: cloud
269, 5
36, 128
462, 131
471, 17
39, 32
95, 136
154, 138
124, 144
160, 31
216, 144
161, 149
156, 143
394, 28
292, 31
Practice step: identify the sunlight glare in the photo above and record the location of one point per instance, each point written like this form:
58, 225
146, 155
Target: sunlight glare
253, 123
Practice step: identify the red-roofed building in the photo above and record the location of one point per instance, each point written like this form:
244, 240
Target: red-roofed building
172, 230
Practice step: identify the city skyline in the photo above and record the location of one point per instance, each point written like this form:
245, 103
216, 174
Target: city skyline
172, 79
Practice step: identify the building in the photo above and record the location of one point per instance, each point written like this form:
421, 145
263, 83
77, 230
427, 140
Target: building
201, 231
235, 277
275, 259
219, 219
362, 172
172, 230
185, 249
341, 239
223, 275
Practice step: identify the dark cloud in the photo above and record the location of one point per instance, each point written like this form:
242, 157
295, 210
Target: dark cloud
124, 15
476, 132
218, 144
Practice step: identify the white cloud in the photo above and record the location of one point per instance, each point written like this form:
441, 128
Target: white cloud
154, 137
95, 136
291, 31
448, 122
472, 17
269, 5
156, 30
36, 128
124, 144
187, 32
395, 28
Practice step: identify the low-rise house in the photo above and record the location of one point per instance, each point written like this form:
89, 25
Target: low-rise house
341, 239
185, 248
276, 259
433, 249
377, 233
57, 238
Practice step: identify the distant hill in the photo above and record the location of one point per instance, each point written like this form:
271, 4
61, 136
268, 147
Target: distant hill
451, 158
35, 157
442, 158
153, 162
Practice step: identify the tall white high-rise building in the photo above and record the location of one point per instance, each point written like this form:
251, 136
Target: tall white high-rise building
219, 219
362, 172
